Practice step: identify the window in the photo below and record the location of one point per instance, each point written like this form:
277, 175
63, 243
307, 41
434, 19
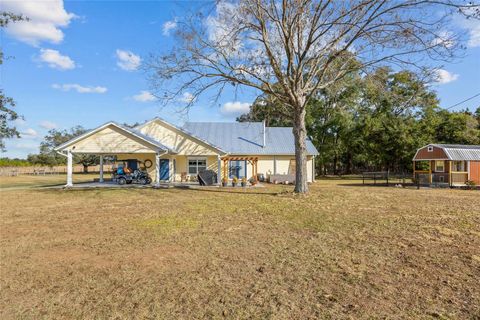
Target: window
439, 166
459, 166
430, 149
196, 165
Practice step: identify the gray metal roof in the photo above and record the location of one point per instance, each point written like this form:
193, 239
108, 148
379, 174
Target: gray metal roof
460, 152
246, 138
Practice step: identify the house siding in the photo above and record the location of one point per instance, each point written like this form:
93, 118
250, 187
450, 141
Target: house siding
110, 140
176, 140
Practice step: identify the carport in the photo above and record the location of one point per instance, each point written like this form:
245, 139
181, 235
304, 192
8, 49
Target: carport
112, 139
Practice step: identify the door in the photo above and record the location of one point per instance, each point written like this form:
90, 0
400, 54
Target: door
132, 164
164, 169
237, 168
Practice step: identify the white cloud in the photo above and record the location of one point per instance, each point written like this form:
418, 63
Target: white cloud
56, 60
29, 133
235, 107
79, 88
169, 26
474, 33
48, 125
46, 18
127, 60
187, 97
444, 39
144, 96
472, 26
443, 76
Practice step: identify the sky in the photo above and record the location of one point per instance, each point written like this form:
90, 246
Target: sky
79, 63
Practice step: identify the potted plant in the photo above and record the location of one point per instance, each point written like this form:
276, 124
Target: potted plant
234, 181
224, 182
253, 181
244, 182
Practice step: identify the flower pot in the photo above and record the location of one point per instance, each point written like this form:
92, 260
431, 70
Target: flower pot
244, 184
234, 184
224, 184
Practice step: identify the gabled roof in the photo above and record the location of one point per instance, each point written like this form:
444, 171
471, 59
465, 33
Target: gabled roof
246, 138
183, 130
157, 145
458, 152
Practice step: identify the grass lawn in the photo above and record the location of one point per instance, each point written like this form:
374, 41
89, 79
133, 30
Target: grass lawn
343, 252
32, 181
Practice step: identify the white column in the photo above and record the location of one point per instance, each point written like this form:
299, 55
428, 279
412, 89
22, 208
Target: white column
219, 169
69, 169
101, 169
274, 165
313, 169
157, 163
170, 169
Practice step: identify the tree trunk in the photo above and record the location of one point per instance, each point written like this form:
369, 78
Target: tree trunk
300, 134
85, 168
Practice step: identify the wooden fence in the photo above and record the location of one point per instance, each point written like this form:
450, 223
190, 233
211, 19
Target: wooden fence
43, 170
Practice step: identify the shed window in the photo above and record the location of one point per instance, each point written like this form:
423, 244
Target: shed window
459, 166
439, 166
430, 149
197, 165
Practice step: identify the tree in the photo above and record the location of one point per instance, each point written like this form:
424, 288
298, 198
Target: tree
290, 49
54, 138
7, 113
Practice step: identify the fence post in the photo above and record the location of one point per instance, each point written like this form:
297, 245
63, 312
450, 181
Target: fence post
388, 172
363, 177
374, 179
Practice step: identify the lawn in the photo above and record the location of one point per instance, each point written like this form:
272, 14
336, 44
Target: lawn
345, 251
47, 180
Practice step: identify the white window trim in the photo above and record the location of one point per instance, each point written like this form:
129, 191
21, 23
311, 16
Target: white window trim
442, 166
195, 158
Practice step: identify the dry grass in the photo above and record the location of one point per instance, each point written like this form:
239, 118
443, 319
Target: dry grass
27, 181
341, 252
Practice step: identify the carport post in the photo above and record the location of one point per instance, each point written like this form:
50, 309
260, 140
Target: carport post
69, 169
157, 163
219, 170
101, 169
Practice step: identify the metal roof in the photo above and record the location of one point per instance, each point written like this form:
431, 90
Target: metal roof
246, 138
458, 152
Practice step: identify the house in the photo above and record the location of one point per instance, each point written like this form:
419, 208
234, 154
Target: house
173, 154
447, 164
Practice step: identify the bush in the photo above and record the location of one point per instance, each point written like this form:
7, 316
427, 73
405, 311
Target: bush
471, 184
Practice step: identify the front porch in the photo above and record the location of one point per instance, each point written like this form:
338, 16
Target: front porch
441, 173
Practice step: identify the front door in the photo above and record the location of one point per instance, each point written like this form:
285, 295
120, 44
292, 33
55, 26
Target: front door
164, 169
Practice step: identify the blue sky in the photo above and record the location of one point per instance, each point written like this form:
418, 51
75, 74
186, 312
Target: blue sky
75, 63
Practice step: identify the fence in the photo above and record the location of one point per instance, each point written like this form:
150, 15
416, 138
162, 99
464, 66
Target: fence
43, 170
385, 177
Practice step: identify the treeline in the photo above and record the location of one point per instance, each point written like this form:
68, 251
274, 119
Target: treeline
7, 162
375, 122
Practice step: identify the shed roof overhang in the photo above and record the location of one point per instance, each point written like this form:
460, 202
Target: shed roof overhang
131, 141
453, 152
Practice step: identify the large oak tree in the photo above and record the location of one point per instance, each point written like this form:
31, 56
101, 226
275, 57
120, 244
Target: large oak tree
290, 49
